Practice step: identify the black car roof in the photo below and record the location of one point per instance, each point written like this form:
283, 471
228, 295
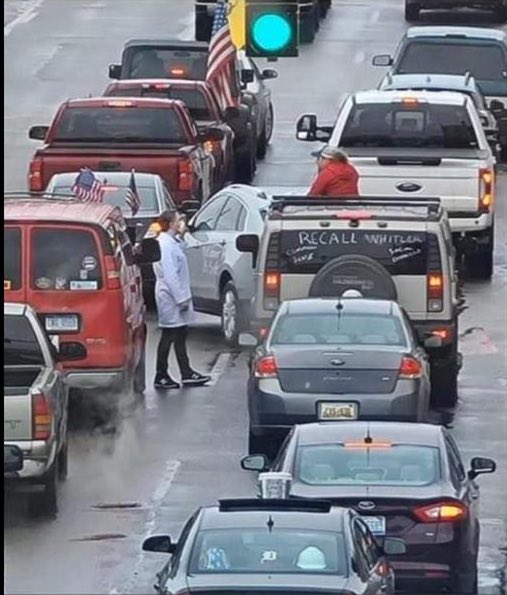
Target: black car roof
396, 432
170, 43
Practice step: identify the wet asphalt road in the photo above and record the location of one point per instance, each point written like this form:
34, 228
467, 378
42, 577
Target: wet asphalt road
175, 452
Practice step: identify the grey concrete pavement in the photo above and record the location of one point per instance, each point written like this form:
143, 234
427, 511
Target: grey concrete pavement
177, 451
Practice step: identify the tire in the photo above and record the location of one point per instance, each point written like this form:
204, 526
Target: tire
63, 461
480, 264
466, 584
353, 272
411, 11
230, 314
139, 382
203, 26
444, 379
46, 503
267, 133
307, 27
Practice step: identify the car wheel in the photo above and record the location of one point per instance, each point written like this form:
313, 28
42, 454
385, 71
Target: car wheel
203, 27
267, 133
230, 314
480, 263
444, 381
63, 460
353, 272
411, 11
307, 27
45, 503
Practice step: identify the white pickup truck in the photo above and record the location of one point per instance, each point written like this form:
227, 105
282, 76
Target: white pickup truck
421, 144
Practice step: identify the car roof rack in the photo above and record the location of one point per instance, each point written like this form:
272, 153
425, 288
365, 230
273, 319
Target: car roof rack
274, 504
357, 207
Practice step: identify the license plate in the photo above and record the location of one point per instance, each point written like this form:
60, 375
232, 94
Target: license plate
337, 411
67, 323
377, 524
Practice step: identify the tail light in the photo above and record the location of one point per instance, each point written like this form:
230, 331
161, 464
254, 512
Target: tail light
185, 175
435, 292
42, 417
266, 367
440, 512
410, 368
112, 273
272, 278
486, 182
213, 147
384, 569
35, 175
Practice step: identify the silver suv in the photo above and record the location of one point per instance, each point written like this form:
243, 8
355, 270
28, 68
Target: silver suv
386, 248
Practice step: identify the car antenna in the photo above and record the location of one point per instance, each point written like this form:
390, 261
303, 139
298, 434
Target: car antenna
270, 523
368, 439
339, 307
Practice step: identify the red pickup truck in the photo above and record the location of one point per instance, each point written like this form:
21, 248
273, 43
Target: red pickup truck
156, 136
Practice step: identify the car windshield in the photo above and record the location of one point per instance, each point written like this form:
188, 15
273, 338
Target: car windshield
333, 328
273, 551
20, 343
484, 61
358, 464
115, 195
417, 125
167, 63
120, 124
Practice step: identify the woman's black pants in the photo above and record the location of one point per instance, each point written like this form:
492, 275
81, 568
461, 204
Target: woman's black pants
178, 336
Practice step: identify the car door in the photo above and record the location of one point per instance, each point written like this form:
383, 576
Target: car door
199, 245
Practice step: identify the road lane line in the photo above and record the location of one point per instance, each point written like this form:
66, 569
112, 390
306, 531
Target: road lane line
25, 17
219, 368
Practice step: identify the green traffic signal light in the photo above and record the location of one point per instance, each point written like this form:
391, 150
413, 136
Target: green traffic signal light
272, 28
271, 33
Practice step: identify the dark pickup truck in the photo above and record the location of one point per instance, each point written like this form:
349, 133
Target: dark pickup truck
149, 135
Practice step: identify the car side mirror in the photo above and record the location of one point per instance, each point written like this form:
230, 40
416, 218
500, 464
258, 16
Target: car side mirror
306, 128
159, 543
247, 340
71, 351
247, 243
231, 113
147, 251
394, 546
432, 341
13, 458
114, 71
190, 207
212, 134
247, 76
496, 106
269, 73
255, 463
382, 60
38, 132
480, 465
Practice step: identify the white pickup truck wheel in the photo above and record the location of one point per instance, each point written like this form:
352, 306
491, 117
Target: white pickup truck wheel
45, 503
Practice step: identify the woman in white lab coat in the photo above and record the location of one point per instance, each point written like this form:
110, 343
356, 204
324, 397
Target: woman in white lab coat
174, 303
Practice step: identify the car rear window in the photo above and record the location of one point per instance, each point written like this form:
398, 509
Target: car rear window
65, 259
418, 125
344, 327
484, 61
359, 464
120, 124
258, 551
400, 252
167, 63
12, 258
20, 343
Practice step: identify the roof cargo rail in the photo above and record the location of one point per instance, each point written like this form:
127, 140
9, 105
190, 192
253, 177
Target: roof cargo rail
274, 504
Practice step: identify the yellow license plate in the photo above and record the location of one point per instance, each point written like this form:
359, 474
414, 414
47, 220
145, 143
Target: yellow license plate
337, 411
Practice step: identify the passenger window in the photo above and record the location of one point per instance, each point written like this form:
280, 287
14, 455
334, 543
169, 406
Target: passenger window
13, 273
228, 218
454, 452
367, 544
65, 259
206, 219
241, 219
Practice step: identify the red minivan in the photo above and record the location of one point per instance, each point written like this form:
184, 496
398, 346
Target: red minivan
74, 263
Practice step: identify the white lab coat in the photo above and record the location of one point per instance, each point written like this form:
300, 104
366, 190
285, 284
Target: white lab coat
172, 287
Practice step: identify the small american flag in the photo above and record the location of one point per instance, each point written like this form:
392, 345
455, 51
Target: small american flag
132, 196
87, 188
221, 73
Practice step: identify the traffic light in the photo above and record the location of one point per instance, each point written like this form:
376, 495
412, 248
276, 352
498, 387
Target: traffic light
272, 28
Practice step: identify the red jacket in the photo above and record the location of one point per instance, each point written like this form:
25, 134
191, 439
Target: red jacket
336, 179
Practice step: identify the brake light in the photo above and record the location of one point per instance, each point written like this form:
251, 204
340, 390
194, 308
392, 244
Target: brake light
369, 444
442, 333
177, 71
35, 175
435, 292
271, 290
410, 101
42, 417
212, 146
441, 512
107, 188
486, 181
354, 215
119, 103
410, 368
266, 367
384, 569
112, 273
185, 175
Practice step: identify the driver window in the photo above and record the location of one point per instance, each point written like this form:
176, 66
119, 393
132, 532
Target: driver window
206, 220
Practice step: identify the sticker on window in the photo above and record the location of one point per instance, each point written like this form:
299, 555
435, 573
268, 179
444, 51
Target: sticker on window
43, 283
7, 285
83, 274
89, 263
60, 283
83, 285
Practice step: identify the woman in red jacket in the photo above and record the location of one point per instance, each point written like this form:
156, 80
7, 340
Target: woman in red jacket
336, 177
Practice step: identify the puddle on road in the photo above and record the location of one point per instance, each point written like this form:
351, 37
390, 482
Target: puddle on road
101, 537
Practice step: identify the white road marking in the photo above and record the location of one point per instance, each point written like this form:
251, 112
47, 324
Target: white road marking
153, 505
25, 17
219, 368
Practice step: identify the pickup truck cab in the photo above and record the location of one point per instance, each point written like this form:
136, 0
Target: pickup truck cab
203, 106
35, 407
106, 134
421, 144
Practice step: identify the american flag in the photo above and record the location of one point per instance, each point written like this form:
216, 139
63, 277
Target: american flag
132, 196
221, 74
87, 188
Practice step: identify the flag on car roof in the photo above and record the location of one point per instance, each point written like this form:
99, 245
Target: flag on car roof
87, 188
132, 196
221, 73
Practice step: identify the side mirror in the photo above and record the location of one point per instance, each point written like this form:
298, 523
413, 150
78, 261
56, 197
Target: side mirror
190, 207
480, 465
114, 71
247, 340
38, 132
13, 458
247, 76
159, 543
231, 113
147, 251
269, 73
71, 351
496, 106
382, 60
432, 341
247, 243
394, 547
215, 134
255, 463
306, 127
